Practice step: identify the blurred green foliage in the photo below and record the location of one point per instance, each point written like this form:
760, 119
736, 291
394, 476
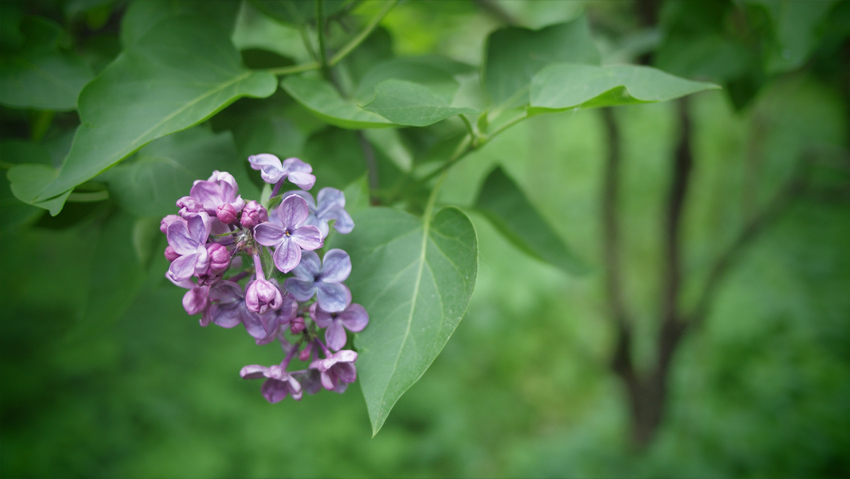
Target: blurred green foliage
523, 389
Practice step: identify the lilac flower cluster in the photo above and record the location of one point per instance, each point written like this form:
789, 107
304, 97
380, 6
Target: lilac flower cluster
217, 244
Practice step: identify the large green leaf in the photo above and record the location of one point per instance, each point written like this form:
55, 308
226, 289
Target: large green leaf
566, 85
506, 206
142, 15
161, 84
515, 55
324, 101
407, 103
164, 170
415, 278
296, 12
42, 75
434, 72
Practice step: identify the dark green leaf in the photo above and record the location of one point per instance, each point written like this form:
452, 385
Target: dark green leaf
567, 85
41, 75
120, 113
415, 279
142, 15
515, 55
323, 100
508, 209
435, 73
164, 171
296, 12
406, 103
28, 180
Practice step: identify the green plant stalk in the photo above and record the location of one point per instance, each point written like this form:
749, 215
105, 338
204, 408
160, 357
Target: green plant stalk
320, 34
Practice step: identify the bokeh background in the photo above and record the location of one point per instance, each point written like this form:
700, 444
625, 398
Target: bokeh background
524, 387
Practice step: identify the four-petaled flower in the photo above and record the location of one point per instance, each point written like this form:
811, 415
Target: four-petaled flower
337, 370
322, 279
220, 189
273, 171
188, 239
278, 383
288, 235
353, 318
329, 205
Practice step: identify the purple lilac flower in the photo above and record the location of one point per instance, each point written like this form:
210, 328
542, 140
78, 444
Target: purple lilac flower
230, 309
278, 383
311, 380
353, 318
274, 322
219, 258
170, 254
322, 279
273, 171
166, 222
188, 238
337, 369
226, 214
290, 236
220, 189
196, 300
331, 206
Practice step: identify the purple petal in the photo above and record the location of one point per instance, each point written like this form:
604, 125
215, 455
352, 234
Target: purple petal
269, 166
336, 266
273, 390
209, 194
300, 289
293, 211
199, 227
202, 261
254, 371
332, 296
303, 180
335, 336
268, 234
346, 356
195, 300
328, 380
294, 388
179, 238
253, 324
343, 222
226, 292
346, 372
330, 197
312, 220
287, 255
320, 316
309, 267
306, 196
226, 315
182, 268
308, 237
354, 318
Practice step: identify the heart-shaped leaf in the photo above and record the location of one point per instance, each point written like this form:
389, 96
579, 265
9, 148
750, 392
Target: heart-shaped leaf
415, 278
324, 101
407, 103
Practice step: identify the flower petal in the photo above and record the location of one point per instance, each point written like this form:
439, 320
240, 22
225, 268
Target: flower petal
330, 197
199, 227
303, 180
293, 211
253, 371
226, 292
182, 268
253, 324
309, 267
287, 255
335, 335
268, 234
354, 318
209, 194
336, 266
346, 372
308, 237
332, 296
226, 315
328, 380
269, 166
322, 318
300, 289
343, 222
305, 195
273, 390
180, 239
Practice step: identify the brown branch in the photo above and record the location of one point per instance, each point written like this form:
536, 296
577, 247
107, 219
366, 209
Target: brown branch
755, 226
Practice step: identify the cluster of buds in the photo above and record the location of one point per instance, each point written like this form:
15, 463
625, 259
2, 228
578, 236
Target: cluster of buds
217, 244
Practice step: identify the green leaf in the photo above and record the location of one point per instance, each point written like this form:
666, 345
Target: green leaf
296, 12
565, 85
434, 72
42, 76
159, 85
515, 55
503, 203
29, 179
415, 279
324, 101
357, 195
142, 15
406, 103
164, 171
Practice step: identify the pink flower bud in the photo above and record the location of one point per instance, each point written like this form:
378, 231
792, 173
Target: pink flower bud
219, 258
226, 214
253, 214
297, 325
305, 353
170, 254
262, 295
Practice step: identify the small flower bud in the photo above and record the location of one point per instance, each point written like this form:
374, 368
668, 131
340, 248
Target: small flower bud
253, 214
226, 214
262, 295
170, 254
163, 225
297, 325
305, 353
219, 258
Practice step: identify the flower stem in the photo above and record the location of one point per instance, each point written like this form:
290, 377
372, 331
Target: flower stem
258, 267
